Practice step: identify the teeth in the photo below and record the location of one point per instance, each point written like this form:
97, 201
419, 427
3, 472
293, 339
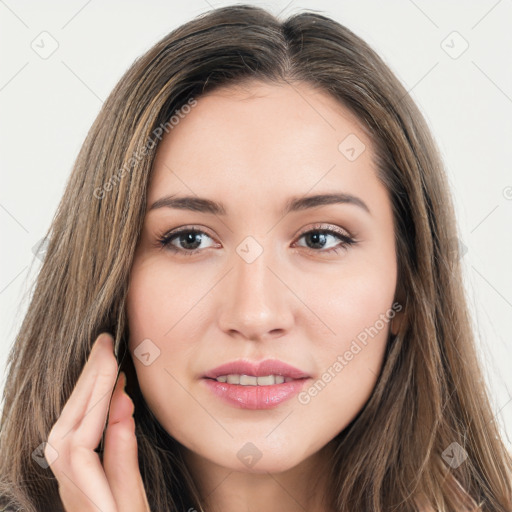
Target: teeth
248, 380
251, 380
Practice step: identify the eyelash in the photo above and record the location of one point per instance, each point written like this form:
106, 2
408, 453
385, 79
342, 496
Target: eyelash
164, 240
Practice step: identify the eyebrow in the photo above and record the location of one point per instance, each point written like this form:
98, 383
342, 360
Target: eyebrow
203, 205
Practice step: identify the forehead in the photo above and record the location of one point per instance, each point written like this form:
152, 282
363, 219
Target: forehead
263, 138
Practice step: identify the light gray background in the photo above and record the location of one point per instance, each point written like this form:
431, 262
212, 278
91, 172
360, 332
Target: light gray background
48, 104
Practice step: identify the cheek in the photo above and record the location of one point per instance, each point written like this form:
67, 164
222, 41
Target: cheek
351, 300
158, 300
356, 304
161, 309
153, 311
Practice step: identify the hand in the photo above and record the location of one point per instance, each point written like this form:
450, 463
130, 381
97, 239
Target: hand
84, 483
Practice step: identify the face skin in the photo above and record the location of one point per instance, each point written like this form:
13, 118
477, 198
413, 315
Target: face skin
252, 149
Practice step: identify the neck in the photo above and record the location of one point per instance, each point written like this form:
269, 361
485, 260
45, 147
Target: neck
302, 487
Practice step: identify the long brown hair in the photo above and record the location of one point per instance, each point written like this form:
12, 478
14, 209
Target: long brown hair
430, 392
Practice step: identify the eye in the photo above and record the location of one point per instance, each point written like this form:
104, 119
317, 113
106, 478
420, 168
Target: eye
192, 238
319, 236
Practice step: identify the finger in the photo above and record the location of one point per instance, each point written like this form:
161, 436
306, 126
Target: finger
79, 400
83, 485
120, 459
89, 430
82, 481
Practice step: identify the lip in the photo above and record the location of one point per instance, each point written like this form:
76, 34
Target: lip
266, 367
256, 397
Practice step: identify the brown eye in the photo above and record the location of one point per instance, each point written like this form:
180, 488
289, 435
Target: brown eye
189, 239
317, 239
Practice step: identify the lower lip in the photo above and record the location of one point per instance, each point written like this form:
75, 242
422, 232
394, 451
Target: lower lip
255, 397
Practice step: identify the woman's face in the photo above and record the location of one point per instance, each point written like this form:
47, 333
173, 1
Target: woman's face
263, 280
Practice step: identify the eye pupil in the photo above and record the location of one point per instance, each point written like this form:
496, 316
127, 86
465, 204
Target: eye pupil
318, 238
190, 237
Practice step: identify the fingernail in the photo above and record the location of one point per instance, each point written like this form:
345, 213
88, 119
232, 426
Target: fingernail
103, 338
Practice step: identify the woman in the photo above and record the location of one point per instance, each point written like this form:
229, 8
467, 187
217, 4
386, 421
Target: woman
315, 354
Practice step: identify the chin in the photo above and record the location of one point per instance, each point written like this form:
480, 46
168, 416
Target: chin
265, 466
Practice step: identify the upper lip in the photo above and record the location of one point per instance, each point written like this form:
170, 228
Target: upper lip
266, 367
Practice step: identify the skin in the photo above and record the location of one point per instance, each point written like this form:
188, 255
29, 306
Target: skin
85, 483
252, 148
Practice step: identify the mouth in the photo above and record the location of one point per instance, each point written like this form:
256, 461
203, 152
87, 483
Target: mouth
248, 385
252, 380
264, 369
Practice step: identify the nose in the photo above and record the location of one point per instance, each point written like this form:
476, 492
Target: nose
256, 301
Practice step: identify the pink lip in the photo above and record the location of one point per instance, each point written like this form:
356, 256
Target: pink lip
267, 367
256, 397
